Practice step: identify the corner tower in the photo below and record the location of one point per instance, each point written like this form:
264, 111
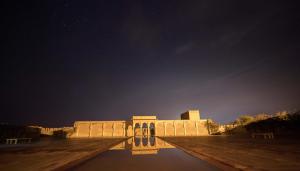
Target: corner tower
191, 115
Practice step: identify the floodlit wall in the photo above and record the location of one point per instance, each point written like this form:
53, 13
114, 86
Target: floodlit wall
190, 125
51, 131
181, 128
94, 129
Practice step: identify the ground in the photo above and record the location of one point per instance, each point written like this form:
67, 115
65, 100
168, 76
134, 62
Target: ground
226, 152
52, 154
242, 153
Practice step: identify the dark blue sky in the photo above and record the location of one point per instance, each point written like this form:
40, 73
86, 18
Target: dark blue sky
99, 60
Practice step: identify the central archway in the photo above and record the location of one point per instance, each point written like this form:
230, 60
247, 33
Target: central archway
145, 130
152, 129
144, 125
137, 129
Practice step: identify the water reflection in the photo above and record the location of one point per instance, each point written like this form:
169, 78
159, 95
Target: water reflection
140, 145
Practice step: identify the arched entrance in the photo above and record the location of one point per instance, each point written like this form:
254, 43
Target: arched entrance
144, 125
152, 129
137, 129
145, 130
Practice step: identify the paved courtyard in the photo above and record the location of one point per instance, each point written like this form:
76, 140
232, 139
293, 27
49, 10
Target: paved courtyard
52, 154
242, 153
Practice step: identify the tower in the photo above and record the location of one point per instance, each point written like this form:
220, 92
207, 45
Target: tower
191, 115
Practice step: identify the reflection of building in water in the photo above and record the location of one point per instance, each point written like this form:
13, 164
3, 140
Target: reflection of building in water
142, 145
189, 125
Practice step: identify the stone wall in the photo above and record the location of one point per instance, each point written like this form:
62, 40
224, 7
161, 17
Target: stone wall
94, 129
99, 129
181, 128
49, 131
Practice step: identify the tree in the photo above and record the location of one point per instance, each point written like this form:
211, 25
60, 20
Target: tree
282, 115
245, 119
212, 126
237, 122
262, 116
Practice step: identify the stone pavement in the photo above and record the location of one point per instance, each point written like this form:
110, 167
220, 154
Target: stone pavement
52, 154
242, 153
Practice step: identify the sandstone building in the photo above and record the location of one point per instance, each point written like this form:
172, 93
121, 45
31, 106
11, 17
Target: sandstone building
189, 125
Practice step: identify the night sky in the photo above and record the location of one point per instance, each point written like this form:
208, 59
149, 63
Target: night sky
63, 61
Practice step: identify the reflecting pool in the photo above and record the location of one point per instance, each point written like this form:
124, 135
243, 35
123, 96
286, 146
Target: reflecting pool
143, 154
